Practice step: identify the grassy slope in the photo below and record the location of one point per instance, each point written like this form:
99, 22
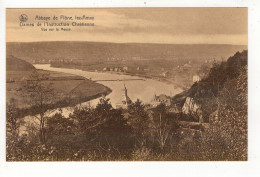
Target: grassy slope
16, 64
77, 88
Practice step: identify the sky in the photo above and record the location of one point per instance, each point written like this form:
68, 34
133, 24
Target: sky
138, 25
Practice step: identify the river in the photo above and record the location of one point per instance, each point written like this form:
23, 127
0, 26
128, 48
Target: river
140, 88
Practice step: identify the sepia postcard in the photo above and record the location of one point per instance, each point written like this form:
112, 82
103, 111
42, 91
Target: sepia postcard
127, 84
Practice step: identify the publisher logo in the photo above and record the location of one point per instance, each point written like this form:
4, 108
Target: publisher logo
23, 18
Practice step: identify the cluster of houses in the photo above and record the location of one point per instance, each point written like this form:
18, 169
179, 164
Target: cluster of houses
162, 98
124, 68
116, 69
49, 61
41, 61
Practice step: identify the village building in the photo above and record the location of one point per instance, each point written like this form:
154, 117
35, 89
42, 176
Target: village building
175, 109
196, 78
161, 99
24, 79
187, 66
164, 74
136, 58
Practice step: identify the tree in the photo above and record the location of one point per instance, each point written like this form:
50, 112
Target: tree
12, 125
41, 99
163, 125
103, 130
113, 129
139, 121
103, 107
12, 130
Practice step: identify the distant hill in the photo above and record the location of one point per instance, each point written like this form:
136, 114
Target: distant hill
98, 51
16, 64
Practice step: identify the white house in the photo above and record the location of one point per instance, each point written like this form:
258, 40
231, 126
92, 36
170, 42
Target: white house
196, 78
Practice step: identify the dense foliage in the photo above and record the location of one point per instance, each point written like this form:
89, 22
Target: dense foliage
223, 98
221, 75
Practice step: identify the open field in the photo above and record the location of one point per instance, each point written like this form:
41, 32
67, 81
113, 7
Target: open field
68, 89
